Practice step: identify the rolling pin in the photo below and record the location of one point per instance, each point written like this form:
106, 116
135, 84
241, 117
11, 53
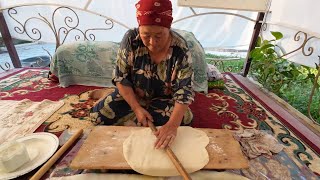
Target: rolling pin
173, 157
56, 156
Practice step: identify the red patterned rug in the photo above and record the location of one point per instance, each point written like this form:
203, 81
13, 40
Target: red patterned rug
230, 108
33, 84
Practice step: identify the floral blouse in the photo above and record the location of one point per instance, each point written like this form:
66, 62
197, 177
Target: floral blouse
168, 79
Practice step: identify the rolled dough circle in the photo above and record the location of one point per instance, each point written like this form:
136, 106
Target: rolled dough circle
189, 147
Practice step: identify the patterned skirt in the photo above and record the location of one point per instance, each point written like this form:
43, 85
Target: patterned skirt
114, 110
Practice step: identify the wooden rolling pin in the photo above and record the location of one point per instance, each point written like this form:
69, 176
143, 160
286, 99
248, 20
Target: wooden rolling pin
56, 156
173, 157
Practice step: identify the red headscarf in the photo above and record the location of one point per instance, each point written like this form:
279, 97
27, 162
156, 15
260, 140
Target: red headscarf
154, 12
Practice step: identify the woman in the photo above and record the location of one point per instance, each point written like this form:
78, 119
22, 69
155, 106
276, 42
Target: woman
152, 75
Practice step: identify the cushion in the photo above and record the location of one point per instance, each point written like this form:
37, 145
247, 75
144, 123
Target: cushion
85, 63
199, 79
91, 63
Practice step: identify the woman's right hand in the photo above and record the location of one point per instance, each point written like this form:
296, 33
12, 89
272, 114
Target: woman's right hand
143, 116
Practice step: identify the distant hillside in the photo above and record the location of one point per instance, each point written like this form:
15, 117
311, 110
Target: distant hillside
15, 42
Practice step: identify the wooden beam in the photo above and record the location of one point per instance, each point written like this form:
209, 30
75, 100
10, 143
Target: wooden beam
8, 42
254, 38
244, 5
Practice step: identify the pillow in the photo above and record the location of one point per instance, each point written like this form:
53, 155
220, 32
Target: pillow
88, 63
199, 79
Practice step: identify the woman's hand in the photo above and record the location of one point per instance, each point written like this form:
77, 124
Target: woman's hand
143, 116
165, 135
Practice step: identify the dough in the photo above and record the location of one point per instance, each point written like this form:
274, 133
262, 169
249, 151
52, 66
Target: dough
211, 175
189, 146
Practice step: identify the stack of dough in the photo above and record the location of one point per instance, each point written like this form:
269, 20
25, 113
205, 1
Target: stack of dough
12, 156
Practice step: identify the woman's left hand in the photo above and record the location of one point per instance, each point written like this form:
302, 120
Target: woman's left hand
165, 135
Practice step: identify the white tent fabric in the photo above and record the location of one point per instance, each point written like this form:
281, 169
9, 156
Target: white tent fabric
213, 31
292, 16
297, 14
216, 31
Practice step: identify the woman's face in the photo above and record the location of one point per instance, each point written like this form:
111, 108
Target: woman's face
155, 38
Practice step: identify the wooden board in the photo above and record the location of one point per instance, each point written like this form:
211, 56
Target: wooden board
103, 149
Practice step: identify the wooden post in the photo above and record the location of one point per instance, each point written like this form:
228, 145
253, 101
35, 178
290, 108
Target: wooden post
8, 42
254, 38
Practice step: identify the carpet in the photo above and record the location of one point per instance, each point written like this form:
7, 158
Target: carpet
33, 84
23, 117
74, 114
230, 108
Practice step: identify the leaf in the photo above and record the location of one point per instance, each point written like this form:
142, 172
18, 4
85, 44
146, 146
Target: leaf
266, 46
269, 70
257, 56
270, 51
311, 76
254, 52
287, 74
265, 42
259, 40
277, 35
295, 73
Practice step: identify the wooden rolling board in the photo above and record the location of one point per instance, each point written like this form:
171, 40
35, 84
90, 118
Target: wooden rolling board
103, 149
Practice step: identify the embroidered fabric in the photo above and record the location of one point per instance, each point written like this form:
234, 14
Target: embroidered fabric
255, 143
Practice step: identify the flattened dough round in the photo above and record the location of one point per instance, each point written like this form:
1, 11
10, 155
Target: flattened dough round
189, 146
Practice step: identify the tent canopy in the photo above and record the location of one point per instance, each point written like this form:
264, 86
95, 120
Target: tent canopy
230, 30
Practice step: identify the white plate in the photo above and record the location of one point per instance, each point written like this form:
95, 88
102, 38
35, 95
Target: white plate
40, 146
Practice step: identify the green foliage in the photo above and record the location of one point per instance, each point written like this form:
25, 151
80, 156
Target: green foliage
273, 72
225, 64
218, 84
281, 76
298, 97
